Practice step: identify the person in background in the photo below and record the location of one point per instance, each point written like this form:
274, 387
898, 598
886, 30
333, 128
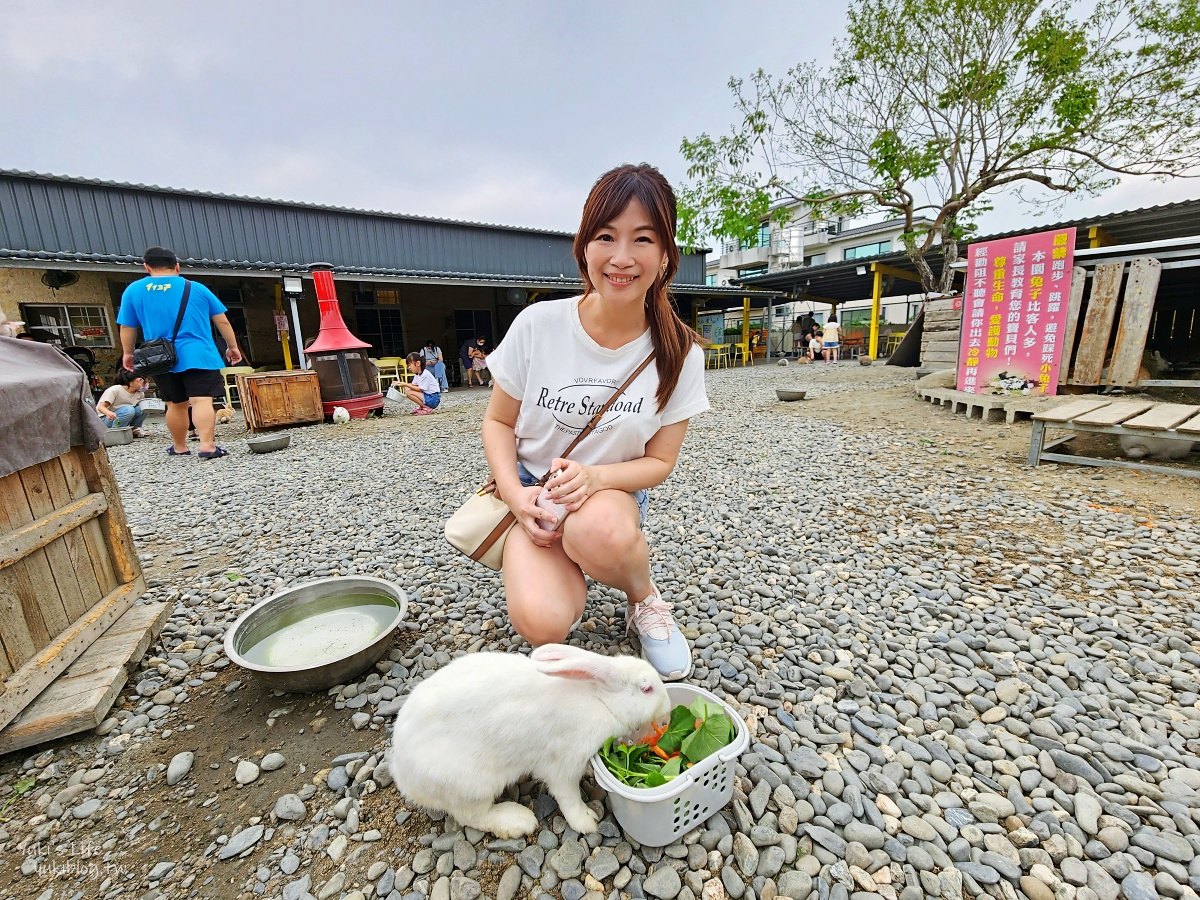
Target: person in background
830, 341
431, 355
627, 256
424, 389
152, 305
464, 357
815, 351
479, 355
120, 404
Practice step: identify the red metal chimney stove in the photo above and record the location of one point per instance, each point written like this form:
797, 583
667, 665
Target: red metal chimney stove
348, 377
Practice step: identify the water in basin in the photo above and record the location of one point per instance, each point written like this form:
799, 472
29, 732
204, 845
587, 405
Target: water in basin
312, 640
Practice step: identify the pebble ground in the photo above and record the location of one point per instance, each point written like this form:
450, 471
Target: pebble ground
960, 682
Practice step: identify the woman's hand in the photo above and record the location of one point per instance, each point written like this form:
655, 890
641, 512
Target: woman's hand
110, 413
537, 522
573, 484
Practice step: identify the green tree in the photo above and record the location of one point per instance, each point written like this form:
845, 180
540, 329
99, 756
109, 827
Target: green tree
932, 105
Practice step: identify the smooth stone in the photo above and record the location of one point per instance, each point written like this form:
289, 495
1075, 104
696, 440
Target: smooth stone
241, 842
272, 761
290, 808
663, 882
246, 772
1139, 886
179, 766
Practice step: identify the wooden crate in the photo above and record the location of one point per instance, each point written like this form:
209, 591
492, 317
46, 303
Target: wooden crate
271, 399
68, 569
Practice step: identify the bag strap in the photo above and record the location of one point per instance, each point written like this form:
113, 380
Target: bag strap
595, 419
187, 292
490, 487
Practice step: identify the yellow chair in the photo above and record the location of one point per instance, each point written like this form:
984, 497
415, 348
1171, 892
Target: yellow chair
229, 374
389, 370
716, 356
893, 343
741, 353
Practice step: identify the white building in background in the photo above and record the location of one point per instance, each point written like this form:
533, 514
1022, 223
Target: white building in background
804, 241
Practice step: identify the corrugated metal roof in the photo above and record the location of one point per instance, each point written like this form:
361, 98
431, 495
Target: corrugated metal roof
300, 204
93, 220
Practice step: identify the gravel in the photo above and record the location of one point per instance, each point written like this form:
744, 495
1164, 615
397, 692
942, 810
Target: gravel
961, 677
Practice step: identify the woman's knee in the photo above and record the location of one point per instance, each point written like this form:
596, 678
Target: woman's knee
609, 534
541, 623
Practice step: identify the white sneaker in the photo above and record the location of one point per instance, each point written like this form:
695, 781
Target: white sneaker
663, 644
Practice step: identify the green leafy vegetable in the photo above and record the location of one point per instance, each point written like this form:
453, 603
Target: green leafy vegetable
683, 723
711, 736
693, 733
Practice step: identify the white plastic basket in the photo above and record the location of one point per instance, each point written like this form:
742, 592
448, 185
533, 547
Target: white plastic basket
655, 817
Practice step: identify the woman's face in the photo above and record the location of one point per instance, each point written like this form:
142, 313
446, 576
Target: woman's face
138, 384
625, 256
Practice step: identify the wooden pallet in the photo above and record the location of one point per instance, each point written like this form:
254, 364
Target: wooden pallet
988, 407
1173, 421
1086, 359
80, 698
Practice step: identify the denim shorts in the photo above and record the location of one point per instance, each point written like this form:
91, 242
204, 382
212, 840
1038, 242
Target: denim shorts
432, 400
640, 496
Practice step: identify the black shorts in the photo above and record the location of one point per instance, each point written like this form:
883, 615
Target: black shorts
179, 387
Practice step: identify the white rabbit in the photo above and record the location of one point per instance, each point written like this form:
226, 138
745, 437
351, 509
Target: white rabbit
488, 719
1139, 446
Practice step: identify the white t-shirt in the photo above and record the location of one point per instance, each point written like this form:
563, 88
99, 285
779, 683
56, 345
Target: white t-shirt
427, 382
831, 330
562, 377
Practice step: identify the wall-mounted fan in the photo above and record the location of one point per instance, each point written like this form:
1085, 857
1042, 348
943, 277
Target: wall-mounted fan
516, 296
57, 278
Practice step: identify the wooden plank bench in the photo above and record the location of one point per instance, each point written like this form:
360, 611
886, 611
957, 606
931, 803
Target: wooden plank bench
1173, 421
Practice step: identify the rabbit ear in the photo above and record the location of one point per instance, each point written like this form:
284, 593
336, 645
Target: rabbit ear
561, 661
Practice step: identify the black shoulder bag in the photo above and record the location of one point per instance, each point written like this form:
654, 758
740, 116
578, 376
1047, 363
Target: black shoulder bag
158, 356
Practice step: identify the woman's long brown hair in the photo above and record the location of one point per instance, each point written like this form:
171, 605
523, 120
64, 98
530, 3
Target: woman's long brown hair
610, 195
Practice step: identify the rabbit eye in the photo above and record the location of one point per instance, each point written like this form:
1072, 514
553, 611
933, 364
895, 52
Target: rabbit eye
647, 689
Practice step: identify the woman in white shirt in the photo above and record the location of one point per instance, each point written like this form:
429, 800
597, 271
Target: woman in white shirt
554, 370
830, 340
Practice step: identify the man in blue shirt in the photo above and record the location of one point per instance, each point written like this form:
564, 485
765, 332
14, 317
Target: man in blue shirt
152, 304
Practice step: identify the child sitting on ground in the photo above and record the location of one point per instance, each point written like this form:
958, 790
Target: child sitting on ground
424, 389
814, 346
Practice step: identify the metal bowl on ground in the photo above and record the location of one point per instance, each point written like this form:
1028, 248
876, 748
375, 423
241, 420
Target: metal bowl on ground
318, 634
118, 437
783, 394
268, 443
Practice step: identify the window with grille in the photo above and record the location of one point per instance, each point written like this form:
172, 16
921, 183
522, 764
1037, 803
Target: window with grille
70, 326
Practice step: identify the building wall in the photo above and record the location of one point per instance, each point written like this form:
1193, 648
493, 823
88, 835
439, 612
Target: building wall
24, 286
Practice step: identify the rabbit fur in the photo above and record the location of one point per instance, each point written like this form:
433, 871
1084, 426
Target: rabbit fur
487, 719
1140, 446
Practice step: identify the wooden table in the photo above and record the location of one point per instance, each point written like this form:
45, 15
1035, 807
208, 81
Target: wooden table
1173, 421
271, 399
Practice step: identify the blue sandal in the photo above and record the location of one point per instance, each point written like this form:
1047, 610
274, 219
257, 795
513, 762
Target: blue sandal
216, 454
172, 452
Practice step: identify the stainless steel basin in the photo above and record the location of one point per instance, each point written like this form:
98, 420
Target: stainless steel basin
316, 659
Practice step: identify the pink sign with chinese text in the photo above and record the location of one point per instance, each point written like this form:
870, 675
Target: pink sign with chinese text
1014, 310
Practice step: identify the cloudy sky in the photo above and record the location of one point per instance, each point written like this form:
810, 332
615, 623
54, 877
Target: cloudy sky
497, 112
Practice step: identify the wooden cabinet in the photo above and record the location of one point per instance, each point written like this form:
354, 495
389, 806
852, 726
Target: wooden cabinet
271, 399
